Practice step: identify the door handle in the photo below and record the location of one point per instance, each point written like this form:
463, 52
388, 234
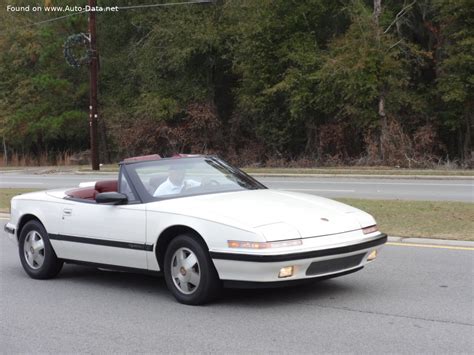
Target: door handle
67, 212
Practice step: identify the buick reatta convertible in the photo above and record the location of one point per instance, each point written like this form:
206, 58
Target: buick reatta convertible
199, 221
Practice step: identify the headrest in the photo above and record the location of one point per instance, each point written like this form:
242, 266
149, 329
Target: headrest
106, 186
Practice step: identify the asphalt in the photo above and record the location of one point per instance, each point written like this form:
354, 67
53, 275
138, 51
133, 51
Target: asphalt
449, 189
411, 300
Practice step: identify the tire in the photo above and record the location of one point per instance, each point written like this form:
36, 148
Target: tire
189, 271
36, 253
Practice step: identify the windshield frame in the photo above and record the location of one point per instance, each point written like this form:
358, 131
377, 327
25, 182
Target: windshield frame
146, 197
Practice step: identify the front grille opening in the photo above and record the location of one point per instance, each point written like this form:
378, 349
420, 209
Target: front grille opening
332, 265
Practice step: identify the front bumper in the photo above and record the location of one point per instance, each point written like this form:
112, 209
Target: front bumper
10, 230
318, 263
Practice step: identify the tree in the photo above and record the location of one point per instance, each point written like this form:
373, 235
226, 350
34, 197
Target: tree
456, 69
364, 77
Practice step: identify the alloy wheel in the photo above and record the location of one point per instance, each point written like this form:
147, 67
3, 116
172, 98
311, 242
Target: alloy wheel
185, 270
34, 250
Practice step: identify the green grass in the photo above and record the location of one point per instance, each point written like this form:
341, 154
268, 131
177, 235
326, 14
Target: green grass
423, 219
7, 194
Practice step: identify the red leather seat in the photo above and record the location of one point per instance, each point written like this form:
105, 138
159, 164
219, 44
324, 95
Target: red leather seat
85, 193
89, 193
106, 186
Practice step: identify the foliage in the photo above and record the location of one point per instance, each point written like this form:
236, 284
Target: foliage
256, 81
456, 69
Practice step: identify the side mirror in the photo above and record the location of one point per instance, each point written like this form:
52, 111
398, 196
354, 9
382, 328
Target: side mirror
111, 198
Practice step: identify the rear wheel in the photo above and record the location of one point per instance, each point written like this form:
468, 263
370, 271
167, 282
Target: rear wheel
36, 253
189, 272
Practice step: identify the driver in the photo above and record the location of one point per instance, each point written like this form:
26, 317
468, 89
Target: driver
175, 183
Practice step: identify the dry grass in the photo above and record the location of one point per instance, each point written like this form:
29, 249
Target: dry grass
7, 194
423, 219
44, 159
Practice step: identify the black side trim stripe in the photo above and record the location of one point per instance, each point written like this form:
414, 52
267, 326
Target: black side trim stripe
382, 239
103, 242
112, 267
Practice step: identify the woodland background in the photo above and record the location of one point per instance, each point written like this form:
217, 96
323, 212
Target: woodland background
276, 83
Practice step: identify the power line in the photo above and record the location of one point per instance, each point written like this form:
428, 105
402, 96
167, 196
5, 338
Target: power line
163, 5
121, 8
54, 19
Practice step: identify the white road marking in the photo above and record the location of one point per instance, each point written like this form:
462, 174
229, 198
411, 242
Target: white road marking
429, 246
315, 190
363, 183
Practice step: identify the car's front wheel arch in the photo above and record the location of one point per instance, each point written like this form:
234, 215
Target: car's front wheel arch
189, 271
167, 236
37, 255
24, 220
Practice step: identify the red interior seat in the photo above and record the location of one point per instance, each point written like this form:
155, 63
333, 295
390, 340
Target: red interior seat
85, 193
89, 193
106, 186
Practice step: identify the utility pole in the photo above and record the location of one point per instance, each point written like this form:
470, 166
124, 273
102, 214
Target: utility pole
93, 76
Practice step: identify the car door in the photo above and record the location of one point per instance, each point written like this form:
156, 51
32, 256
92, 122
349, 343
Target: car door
104, 234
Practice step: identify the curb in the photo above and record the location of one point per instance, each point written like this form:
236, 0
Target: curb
77, 172
431, 241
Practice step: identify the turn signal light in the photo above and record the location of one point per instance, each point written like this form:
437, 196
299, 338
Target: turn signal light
371, 229
263, 245
372, 255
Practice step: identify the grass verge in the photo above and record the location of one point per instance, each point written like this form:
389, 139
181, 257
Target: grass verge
6, 195
423, 219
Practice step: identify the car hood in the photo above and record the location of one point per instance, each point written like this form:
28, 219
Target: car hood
278, 215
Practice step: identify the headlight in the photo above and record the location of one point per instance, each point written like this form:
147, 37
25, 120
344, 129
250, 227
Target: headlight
370, 229
263, 245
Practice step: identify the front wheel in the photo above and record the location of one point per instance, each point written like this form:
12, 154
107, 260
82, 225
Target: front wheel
36, 253
189, 272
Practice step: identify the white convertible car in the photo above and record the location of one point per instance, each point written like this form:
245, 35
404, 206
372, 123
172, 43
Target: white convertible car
199, 221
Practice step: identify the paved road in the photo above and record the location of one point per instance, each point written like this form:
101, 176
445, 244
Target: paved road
429, 190
416, 189
412, 300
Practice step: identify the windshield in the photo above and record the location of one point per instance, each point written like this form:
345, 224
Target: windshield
171, 178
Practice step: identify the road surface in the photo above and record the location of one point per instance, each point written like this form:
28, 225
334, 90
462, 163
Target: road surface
411, 300
370, 188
